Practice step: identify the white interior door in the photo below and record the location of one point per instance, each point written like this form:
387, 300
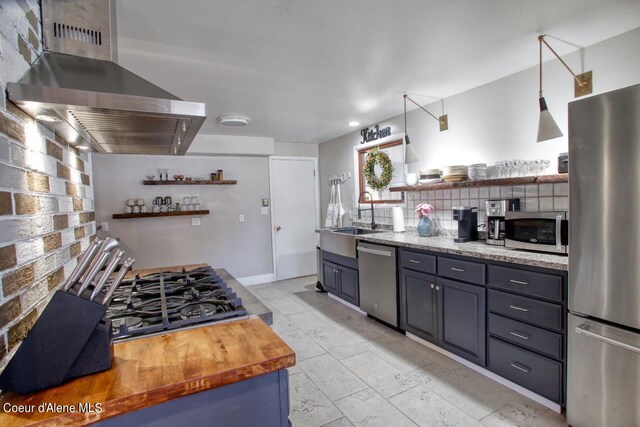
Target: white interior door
294, 205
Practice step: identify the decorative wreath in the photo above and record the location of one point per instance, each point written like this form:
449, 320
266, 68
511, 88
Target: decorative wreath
377, 157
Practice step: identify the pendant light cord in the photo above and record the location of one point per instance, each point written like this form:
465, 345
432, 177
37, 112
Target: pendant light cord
405, 113
540, 43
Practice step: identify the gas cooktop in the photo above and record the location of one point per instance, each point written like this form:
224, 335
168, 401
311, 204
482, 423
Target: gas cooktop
168, 300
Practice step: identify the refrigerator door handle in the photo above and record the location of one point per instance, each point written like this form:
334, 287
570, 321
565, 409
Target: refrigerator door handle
584, 330
559, 231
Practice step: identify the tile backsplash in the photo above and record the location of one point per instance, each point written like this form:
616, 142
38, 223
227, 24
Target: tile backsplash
533, 198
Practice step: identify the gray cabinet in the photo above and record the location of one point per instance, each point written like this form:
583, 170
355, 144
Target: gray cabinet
462, 323
419, 305
348, 285
330, 276
340, 279
508, 318
447, 313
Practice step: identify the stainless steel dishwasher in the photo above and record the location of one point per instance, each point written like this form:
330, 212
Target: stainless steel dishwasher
378, 284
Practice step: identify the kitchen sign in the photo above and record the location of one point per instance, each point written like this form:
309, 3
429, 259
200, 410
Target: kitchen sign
369, 135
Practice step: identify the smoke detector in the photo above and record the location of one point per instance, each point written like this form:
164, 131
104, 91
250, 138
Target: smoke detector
232, 121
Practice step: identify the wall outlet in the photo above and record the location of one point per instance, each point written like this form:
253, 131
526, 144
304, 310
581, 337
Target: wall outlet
104, 226
195, 222
264, 211
241, 217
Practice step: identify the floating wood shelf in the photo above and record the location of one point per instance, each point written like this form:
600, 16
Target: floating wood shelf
522, 180
203, 182
160, 214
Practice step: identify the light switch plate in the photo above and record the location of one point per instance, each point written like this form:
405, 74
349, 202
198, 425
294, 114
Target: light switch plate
195, 222
265, 202
241, 217
105, 226
264, 211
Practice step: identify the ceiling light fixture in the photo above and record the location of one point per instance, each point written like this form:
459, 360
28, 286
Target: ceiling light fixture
47, 118
82, 147
583, 85
354, 124
410, 155
232, 121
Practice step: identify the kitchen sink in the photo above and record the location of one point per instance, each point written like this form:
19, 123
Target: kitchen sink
342, 241
356, 231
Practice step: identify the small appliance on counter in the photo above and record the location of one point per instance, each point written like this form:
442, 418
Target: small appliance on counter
537, 231
563, 163
467, 218
496, 211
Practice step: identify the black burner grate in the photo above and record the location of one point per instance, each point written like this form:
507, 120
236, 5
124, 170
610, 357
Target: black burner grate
163, 301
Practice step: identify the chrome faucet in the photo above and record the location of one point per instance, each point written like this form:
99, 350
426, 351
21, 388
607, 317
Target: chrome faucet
373, 220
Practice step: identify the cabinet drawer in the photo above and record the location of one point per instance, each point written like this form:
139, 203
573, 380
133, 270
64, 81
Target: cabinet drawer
528, 309
527, 282
418, 261
463, 270
532, 371
526, 335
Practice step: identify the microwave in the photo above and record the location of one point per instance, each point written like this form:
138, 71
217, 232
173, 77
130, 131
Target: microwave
537, 231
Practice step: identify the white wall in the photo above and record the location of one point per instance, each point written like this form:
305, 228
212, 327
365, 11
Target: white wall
296, 149
231, 145
497, 121
244, 249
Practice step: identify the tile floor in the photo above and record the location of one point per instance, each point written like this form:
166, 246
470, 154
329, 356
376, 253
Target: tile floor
352, 370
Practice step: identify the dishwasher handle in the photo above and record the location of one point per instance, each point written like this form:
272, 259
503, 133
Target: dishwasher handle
375, 251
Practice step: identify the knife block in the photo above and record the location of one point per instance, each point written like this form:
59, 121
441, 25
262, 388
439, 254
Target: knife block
71, 338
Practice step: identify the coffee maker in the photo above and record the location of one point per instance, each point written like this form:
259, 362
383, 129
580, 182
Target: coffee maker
467, 218
496, 211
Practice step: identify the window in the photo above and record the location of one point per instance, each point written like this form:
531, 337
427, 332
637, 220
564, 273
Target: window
394, 150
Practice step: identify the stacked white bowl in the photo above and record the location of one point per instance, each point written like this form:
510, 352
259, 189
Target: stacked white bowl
478, 171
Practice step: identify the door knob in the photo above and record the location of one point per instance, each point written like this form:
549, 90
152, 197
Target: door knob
278, 228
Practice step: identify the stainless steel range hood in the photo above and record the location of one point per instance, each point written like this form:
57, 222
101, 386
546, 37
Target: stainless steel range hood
79, 86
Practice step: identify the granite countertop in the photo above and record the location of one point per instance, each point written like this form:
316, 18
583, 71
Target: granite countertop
478, 249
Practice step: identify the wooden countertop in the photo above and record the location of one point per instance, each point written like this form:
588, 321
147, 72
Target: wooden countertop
153, 370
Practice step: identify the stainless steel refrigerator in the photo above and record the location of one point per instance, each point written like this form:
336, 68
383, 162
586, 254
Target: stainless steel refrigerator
604, 260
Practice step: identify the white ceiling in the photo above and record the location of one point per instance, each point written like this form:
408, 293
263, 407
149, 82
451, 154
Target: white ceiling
302, 69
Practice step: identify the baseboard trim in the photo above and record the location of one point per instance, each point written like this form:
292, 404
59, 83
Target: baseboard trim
256, 280
348, 304
513, 386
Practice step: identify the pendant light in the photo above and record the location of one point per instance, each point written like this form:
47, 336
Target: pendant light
583, 85
410, 154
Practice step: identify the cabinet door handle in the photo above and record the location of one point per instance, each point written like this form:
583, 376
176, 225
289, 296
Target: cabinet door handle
515, 307
457, 269
519, 335
433, 286
520, 367
414, 261
437, 288
518, 282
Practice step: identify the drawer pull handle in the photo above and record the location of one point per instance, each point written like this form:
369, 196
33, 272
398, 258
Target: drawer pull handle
519, 335
433, 286
520, 367
414, 261
457, 269
437, 288
518, 282
515, 307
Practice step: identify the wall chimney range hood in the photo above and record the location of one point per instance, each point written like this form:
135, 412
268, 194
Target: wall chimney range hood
77, 85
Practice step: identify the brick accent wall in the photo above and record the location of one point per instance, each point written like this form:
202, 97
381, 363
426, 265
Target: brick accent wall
47, 214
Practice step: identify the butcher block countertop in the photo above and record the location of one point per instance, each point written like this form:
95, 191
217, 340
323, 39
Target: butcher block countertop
152, 370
